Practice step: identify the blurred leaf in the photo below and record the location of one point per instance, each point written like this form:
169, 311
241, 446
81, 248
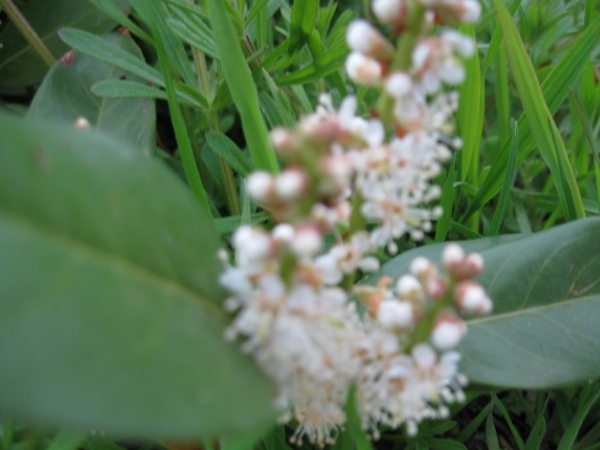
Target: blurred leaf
19, 64
541, 123
110, 305
546, 293
65, 95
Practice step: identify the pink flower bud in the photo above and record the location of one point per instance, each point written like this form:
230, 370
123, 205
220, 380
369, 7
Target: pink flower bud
452, 255
470, 11
474, 261
471, 298
390, 12
363, 70
307, 242
421, 267
259, 185
435, 288
448, 331
399, 84
364, 38
290, 184
407, 285
282, 139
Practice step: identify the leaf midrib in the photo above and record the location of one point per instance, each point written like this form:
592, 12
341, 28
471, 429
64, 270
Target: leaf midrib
112, 260
532, 310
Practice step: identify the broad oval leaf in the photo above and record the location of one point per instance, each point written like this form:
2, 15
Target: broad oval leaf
110, 307
546, 289
65, 95
19, 63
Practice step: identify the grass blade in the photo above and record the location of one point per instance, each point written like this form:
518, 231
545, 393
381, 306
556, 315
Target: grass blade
508, 182
242, 88
447, 200
554, 89
183, 140
540, 119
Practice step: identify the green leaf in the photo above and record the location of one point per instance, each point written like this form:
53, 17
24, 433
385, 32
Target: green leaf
541, 123
446, 201
469, 115
554, 88
570, 435
303, 21
65, 96
199, 37
230, 152
117, 14
330, 61
100, 49
546, 293
190, 164
242, 88
110, 306
508, 182
19, 64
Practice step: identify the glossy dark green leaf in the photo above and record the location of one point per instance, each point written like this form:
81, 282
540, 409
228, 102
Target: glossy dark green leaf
111, 315
546, 292
66, 95
19, 64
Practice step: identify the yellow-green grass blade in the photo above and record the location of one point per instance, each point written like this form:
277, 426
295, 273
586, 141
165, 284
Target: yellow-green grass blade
242, 88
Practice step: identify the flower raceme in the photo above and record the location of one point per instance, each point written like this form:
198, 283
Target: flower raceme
363, 183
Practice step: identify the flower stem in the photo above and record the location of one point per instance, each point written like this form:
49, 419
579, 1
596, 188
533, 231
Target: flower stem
401, 61
28, 33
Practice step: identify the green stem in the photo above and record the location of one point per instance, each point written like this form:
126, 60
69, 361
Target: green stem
425, 327
28, 33
401, 61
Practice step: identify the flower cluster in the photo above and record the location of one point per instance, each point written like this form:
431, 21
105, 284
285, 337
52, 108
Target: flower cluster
350, 187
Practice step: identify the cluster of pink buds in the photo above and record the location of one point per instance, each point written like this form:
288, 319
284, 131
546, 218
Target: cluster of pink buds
352, 186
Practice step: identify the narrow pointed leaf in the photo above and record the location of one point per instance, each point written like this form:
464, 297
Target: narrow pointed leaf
242, 88
540, 119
